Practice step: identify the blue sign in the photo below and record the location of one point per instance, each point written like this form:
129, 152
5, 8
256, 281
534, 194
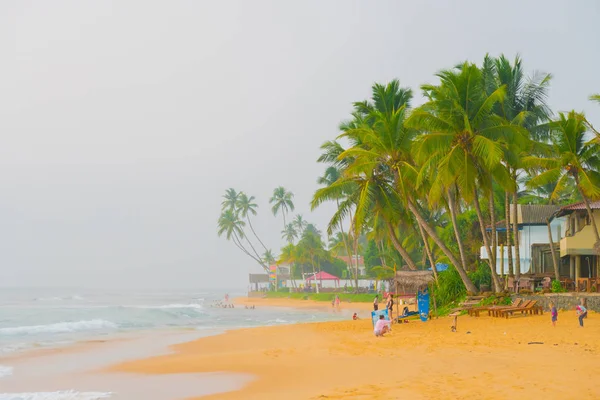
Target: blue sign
375, 315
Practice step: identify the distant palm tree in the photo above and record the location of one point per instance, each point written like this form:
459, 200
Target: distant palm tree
289, 233
312, 228
573, 158
230, 199
268, 257
232, 227
246, 206
300, 224
282, 202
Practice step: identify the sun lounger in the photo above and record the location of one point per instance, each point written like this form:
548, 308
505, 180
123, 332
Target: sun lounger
528, 307
475, 311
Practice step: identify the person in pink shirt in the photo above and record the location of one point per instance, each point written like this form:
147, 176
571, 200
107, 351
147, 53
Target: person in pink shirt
382, 326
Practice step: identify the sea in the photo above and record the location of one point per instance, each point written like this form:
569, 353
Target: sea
121, 325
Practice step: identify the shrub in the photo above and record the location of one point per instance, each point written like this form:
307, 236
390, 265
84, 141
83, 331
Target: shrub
557, 287
481, 276
450, 287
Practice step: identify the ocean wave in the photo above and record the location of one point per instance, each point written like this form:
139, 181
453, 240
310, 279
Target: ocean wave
171, 306
60, 327
68, 395
56, 298
5, 371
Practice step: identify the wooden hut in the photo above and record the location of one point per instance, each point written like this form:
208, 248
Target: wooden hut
409, 282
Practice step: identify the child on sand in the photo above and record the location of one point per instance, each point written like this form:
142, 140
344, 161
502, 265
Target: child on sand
581, 312
355, 316
554, 313
382, 326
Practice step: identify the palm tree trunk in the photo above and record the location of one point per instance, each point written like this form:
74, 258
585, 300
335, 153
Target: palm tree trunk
354, 249
398, 246
255, 235
433, 234
553, 251
428, 251
508, 240
452, 209
345, 239
495, 278
516, 233
486, 241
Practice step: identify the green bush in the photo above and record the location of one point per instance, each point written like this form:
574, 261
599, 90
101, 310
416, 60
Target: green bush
450, 288
481, 276
283, 290
557, 287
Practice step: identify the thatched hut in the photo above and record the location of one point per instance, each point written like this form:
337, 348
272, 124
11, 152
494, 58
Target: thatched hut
409, 282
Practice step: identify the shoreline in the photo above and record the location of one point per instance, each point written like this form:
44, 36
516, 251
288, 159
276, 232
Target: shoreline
487, 358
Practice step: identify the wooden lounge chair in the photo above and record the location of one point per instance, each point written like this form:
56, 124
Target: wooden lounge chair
496, 311
527, 307
475, 311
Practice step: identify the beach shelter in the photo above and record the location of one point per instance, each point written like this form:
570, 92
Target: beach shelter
407, 282
324, 276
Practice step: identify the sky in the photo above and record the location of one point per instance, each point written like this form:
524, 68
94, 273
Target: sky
122, 123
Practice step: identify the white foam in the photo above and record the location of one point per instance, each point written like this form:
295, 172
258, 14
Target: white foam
5, 371
65, 395
172, 306
60, 327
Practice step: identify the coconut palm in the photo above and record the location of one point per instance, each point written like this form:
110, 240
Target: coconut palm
282, 202
573, 158
230, 225
246, 206
290, 234
230, 199
525, 104
268, 257
299, 223
466, 140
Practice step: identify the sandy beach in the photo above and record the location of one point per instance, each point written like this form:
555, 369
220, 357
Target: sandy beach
488, 358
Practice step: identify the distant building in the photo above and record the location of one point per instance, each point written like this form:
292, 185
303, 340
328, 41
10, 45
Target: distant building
351, 264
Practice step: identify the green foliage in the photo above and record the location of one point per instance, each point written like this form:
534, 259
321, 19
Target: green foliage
371, 257
499, 299
344, 297
481, 276
450, 288
557, 287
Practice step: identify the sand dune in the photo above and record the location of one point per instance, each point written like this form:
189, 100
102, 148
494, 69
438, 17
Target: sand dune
488, 358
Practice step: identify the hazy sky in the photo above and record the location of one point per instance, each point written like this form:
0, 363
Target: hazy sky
122, 123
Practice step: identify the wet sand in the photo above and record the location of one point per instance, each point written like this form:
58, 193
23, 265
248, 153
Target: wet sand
488, 358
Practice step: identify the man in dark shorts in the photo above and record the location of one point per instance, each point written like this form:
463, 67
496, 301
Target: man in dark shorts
390, 305
376, 303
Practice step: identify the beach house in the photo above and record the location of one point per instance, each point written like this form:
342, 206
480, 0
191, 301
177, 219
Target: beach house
534, 241
351, 264
579, 260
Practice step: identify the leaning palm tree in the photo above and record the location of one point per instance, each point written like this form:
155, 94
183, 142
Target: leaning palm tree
573, 158
290, 234
230, 225
282, 202
246, 206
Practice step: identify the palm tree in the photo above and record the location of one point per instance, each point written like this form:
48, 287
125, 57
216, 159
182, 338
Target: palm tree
268, 257
573, 158
230, 199
524, 105
233, 227
466, 141
246, 206
282, 202
299, 223
290, 234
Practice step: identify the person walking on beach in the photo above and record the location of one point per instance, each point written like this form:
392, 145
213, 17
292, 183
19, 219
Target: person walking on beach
337, 301
376, 303
554, 313
581, 312
382, 326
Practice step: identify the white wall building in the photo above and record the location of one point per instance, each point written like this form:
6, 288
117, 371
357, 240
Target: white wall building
533, 230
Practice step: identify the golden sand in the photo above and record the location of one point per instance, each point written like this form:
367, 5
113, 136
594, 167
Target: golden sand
488, 358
